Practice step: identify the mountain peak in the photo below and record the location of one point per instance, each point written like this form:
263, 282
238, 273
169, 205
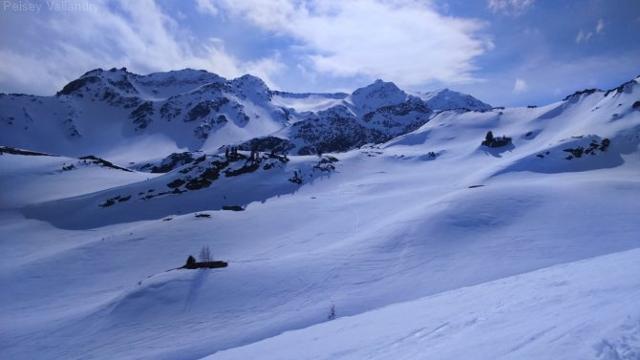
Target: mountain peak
251, 80
99, 79
447, 99
377, 94
251, 87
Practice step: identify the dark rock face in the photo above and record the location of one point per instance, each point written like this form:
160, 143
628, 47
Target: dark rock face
335, 129
170, 162
342, 128
394, 120
176, 183
207, 176
170, 111
123, 85
203, 108
14, 151
142, 115
576, 95
592, 149
78, 84
102, 162
627, 87
113, 200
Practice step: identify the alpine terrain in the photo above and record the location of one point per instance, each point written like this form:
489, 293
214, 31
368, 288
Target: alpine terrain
374, 224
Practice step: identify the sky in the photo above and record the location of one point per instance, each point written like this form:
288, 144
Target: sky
504, 52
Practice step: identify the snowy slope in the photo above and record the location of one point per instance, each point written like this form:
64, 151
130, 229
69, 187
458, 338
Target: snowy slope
34, 179
582, 310
429, 217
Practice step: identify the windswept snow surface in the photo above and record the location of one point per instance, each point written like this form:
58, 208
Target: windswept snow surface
428, 246
582, 310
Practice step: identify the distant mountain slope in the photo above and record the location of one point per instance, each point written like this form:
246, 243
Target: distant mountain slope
106, 111
446, 99
372, 114
103, 110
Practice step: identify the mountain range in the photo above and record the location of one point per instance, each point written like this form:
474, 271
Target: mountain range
104, 110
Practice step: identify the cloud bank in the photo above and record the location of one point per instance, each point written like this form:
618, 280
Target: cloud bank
406, 41
136, 34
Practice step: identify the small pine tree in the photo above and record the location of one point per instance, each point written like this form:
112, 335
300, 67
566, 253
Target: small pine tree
332, 312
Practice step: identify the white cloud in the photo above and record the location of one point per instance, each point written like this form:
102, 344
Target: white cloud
265, 68
520, 86
406, 41
510, 7
139, 35
583, 37
206, 7
599, 26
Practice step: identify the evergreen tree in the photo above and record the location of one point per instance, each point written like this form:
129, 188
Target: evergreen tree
191, 262
489, 137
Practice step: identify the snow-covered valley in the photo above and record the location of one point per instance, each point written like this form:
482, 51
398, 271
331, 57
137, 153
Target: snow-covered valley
386, 211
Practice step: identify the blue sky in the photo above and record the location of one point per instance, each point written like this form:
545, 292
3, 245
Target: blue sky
505, 52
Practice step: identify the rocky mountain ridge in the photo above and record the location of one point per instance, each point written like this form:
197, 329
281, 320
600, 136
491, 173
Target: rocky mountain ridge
198, 110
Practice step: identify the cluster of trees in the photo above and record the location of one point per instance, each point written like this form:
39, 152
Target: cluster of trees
494, 142
231, 153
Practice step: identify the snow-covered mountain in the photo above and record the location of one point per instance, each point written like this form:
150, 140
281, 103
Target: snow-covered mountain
505, 233
446, 99
104, 112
